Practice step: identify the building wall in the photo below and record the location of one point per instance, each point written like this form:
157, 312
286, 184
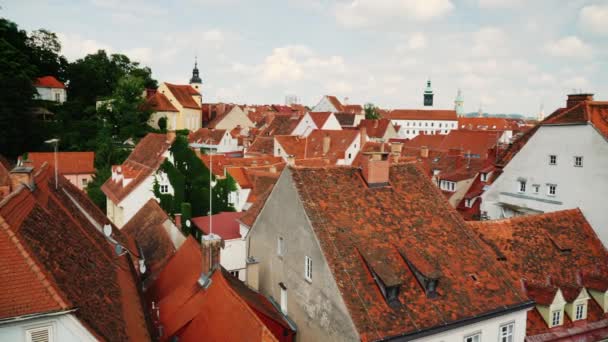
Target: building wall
234, 256
49, 94
77, 179
171, 120
190, 119
351, 151
236, 117
306, 126
65, 327
582, 187
316, 307
411, 128
489, 329
324, 106
332, 123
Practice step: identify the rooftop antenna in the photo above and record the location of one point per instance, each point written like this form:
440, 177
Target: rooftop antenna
121, 250
54, 142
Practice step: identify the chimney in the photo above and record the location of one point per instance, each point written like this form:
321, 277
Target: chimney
396, 151
363, 132
574, 99
424, 152
19, 175
170, 136
253, 273
178, 220
375, 169
326, 143
210, 250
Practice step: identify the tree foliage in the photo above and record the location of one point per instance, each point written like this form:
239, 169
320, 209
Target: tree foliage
371, 111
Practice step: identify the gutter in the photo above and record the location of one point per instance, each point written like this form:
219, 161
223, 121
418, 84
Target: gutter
460, 323
34, 316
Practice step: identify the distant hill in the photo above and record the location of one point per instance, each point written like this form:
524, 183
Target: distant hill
507, 116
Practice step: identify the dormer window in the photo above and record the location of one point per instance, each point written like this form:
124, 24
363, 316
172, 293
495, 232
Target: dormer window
580, 312
164, 189
484, 177
556, 318
468, 202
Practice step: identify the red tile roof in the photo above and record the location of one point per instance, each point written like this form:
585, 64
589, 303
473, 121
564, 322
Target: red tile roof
160, 103
282, 124
206, 136
489, 124
221, 163
312, 146
559, 246
183, 94
345, 119
356, 109
320, 118
147, 228
187, 310
335, 102
48, 82
57, 234
145, 159
375, 128
421, 114
391, 231
224, 224
262, 145
470, 142
70, 163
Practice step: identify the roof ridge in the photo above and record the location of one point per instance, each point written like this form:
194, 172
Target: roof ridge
56, 294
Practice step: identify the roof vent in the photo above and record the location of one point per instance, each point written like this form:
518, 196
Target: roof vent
387, 279
426, 274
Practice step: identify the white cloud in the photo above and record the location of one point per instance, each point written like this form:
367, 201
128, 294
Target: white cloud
499, 3
74, 46
570, 46
361, 13
141, 54
417, 41
594, 18
490, 41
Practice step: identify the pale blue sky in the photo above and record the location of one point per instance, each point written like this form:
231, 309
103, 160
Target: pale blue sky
508, 55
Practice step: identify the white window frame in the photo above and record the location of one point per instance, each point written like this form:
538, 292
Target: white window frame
164, 189
506, 336
474, 337
553, 159
468, 202
283, 299
551, 190
578, 161
578, 315
536, 189
308, 268
484, 177
46, 327
522, 186
556, 314
280, 246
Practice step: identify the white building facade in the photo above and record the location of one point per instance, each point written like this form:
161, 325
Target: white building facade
46, 327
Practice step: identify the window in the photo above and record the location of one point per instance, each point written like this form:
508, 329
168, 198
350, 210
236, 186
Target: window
349, 156
522, 186
580, 311
233, 197
556, 318
40, 334
484, 177
440, 125
278, 151
468, 203
164, 189
57, 97
578, 161
473, 338
308, 268
506, 332
552, 159
235, 273
535, 188
84, 182
280, 246
552, 189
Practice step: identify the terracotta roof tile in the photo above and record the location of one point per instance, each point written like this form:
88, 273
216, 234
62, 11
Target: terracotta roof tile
206, 136
262, 145
225, 224
348, 217
159, 103
70, 163
375, 128
282, 124
345, 119
335, 102
312, 145
320, 118
145, 159
183, 94
48, 82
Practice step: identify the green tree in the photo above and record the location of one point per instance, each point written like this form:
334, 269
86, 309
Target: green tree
16, 92
371, 111
46, 55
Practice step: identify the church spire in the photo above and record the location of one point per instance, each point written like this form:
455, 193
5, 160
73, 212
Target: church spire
459, 103
196, 79
428, 94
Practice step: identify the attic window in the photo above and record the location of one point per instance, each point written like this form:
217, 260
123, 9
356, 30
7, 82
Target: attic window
387, 281
426, 274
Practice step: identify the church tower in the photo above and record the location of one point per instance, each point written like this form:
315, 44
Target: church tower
428, 95
459, 104
196, 81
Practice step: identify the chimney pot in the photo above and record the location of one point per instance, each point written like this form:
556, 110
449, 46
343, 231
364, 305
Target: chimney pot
424, 152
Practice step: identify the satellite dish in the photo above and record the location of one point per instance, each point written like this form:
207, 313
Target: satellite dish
188, 223
142, 266
107, 230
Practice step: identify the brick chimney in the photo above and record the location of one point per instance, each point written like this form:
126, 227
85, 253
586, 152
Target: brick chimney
424, 152
574, 99
19, 175
363, 132
210, 250
375, 169
326, 144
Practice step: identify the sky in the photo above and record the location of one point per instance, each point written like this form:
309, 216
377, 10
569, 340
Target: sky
508, 56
